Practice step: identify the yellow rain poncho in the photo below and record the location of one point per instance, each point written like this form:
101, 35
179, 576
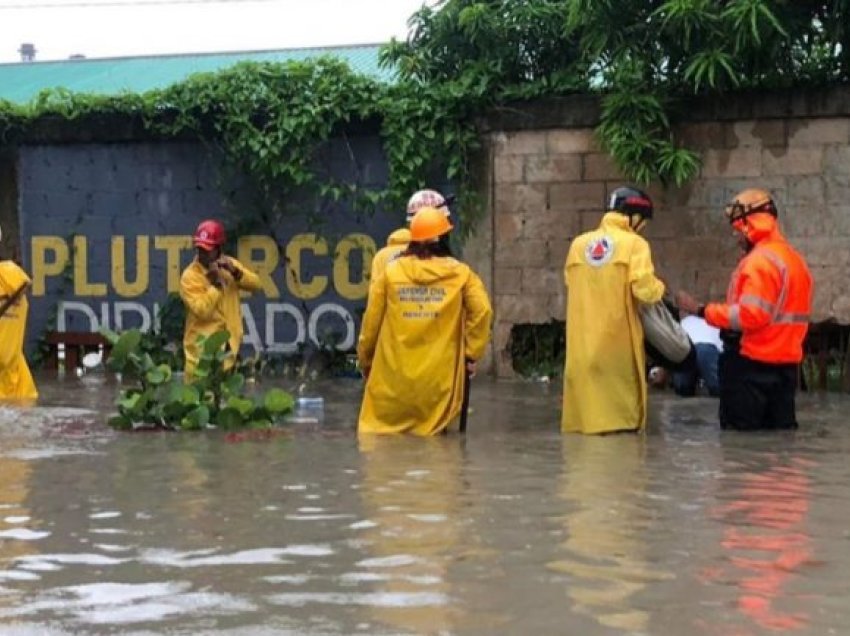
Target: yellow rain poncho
209, 309
396, 244
423, 318
16, 381
608, 271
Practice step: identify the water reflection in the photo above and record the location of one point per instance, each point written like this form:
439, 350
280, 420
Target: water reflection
18, 537
409, 494
766, 541
604, 482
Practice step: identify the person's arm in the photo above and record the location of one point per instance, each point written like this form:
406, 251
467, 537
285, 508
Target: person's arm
645, 285
373, 318
477, 318
244, 277
761, 285
199, 294
9, 301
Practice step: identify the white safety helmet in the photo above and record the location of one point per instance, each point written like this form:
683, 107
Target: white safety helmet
429, 199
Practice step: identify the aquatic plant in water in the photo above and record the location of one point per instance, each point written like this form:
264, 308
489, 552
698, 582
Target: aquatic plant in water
155, 398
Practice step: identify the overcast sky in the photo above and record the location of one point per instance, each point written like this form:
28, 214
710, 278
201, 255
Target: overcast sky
117, 28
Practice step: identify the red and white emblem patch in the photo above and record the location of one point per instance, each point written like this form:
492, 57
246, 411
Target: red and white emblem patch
599, 251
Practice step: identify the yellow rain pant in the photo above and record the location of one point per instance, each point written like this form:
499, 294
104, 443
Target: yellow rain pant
16, 381
423, 318
607, 272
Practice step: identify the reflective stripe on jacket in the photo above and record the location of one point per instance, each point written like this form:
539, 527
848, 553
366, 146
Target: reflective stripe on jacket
769, 298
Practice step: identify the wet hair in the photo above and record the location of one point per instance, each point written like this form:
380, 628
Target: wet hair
440, 247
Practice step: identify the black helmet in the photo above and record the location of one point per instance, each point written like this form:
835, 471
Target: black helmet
628, 201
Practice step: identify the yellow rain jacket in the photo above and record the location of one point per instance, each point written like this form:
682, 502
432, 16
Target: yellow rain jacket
423, 318
608, 271
16, 381
396, 244
209, 309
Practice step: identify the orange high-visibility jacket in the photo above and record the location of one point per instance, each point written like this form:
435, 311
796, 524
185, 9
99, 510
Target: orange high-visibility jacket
769, 299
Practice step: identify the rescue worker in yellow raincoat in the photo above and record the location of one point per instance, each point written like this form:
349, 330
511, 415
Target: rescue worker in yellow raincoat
16, 381
608, 272
210, 288
398, 240
427, 322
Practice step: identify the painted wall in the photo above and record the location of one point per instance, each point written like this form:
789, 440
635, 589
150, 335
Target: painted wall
549, 181
106, 231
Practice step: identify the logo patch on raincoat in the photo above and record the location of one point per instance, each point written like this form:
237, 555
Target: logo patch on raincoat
599, 251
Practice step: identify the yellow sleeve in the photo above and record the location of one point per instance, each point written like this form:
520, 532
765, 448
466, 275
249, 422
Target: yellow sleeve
477, 317
373, 317
199, 295
250, 281
645, 284
12, 278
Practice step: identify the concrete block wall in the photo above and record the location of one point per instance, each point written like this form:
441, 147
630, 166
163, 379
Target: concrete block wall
550, 179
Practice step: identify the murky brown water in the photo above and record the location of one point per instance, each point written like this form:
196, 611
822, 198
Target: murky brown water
511, 530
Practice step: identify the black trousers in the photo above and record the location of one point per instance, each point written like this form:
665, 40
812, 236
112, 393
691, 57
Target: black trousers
756, 395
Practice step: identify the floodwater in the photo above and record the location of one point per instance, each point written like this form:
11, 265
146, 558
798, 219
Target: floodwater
512, 529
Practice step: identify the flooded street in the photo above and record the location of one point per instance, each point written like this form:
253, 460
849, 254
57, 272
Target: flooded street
513, 529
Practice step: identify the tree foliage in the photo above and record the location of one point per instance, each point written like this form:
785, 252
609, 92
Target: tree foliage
271, 121
641, 56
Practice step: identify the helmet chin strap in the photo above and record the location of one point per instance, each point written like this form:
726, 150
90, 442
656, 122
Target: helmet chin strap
637, 222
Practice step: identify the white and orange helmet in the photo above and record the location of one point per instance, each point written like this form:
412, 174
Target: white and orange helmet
427, 199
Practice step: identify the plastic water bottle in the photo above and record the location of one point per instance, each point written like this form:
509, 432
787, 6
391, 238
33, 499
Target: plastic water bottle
309, 410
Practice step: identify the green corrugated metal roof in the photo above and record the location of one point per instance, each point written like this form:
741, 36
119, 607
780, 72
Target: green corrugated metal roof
21, 81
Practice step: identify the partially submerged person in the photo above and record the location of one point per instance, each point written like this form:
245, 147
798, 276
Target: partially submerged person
607, 273
16, 382
764, 320
210, 288
708, 346
427, 323
398, 240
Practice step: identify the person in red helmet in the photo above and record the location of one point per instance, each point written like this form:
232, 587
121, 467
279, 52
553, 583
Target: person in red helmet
210, 288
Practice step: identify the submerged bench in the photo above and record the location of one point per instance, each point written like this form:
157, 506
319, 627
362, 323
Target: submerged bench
76, 344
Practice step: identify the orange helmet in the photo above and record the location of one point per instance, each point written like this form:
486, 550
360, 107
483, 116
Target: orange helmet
427, 198
750, 201
209, 235
429, 224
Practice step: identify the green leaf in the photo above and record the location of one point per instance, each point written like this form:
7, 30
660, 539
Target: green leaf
278, 401
229, 418
121, 422
159, 375
234, 382
127, 343
196, 418
243, 405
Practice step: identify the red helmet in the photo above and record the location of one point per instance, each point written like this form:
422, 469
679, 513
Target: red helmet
209, 235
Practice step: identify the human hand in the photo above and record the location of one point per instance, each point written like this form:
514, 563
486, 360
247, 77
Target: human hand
214, 275
685, 302
471, 368
227, 265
